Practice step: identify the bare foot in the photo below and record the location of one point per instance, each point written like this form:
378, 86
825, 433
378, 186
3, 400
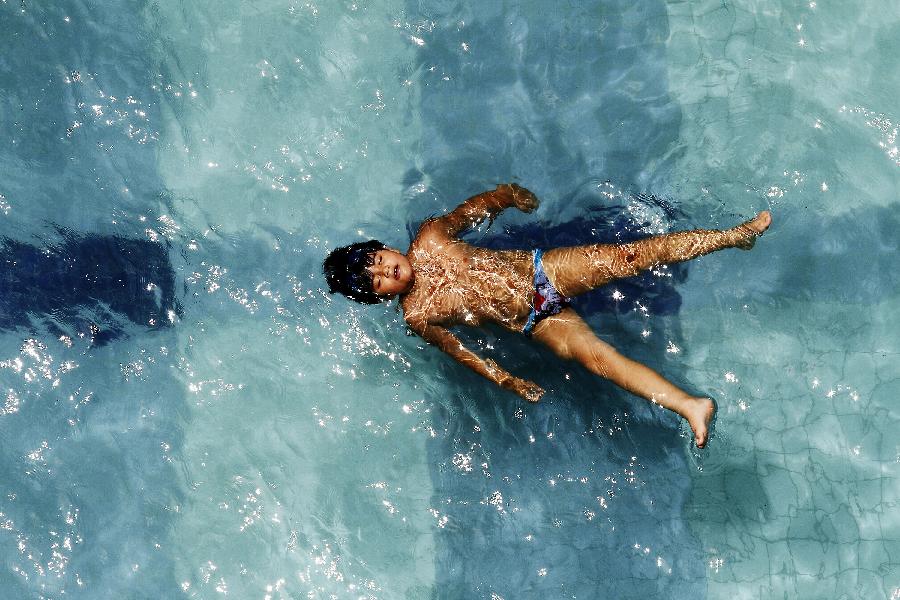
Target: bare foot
754, 228
699, 413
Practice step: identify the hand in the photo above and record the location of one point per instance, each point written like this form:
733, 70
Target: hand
528, 390
522, 198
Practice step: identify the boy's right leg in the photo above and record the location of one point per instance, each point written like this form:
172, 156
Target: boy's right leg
579, 269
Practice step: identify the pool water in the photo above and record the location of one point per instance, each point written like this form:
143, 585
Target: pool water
185, 411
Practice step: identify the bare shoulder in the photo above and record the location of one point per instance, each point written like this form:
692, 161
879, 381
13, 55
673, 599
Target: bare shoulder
432, 231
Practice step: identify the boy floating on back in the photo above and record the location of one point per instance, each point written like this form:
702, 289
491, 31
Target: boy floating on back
442, 281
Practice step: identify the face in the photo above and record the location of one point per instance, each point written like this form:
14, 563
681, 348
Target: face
391, 273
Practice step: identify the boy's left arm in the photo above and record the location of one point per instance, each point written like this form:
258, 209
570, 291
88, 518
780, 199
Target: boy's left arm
483, 206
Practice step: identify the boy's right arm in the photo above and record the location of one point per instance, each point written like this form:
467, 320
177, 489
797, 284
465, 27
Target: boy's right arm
449, 343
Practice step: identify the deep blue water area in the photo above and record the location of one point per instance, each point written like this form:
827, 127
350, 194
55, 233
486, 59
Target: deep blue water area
87, 286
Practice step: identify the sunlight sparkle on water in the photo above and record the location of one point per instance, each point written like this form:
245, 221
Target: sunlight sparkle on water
463, 462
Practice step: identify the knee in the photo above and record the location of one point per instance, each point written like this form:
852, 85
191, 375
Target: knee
597, 357
568, 352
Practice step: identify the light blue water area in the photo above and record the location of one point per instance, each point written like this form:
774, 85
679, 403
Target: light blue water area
187, 413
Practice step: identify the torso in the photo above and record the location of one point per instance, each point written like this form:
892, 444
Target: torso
456, 283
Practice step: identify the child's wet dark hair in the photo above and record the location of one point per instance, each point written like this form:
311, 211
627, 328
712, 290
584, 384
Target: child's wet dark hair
345, 271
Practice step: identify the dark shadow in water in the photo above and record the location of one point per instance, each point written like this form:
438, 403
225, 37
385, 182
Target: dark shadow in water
510, 92
87, 285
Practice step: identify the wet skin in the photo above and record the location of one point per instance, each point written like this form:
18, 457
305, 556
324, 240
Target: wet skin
443, 281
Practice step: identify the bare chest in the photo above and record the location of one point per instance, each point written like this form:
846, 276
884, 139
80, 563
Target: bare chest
469, 286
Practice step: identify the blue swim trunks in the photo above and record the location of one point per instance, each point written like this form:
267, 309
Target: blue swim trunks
547, 300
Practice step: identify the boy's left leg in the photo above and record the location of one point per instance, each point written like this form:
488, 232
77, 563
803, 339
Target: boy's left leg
579, 269
570, 337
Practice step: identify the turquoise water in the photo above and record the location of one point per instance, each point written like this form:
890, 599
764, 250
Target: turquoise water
190, 415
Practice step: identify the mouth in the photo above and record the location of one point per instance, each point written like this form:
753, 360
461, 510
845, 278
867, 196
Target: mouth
397, 272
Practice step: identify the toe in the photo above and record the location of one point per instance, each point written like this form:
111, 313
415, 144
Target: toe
700, 440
